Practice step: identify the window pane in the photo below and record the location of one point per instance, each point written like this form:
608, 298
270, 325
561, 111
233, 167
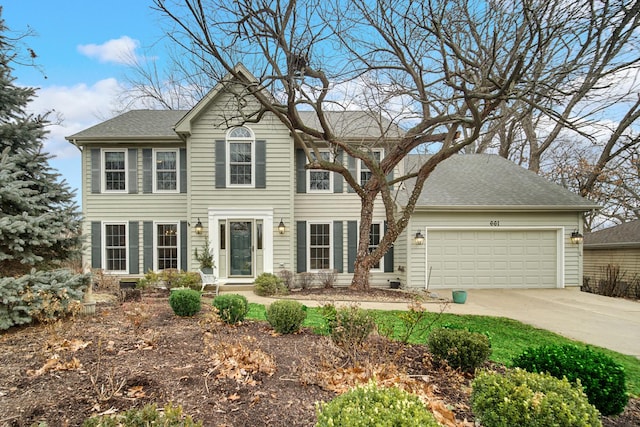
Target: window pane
166, 170
240, 132
375, 236
114, 169
167, 246
319, 246
115, 247
319, 180
240, 174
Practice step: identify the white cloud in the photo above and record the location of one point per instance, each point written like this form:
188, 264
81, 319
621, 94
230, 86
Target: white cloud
119, 51
79, 107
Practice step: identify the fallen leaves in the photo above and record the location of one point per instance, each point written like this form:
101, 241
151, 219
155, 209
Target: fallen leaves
54, 363
238, 361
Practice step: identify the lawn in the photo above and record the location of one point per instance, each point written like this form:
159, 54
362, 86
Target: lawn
508, 337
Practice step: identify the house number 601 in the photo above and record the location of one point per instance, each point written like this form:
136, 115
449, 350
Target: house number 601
494, 223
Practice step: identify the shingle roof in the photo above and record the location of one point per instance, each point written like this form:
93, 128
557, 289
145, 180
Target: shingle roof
624, 235
354, 124
134, 124
484, 181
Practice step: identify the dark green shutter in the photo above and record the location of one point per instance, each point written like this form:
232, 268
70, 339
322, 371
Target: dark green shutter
134, 247
388, 256
96, 170
338, 261
183, 170
337, 178
183, 246
147, 170
261, 164
352, 245
96, 244
301, 253
147, 242
221, 160
301, 172
353, 170
132, 153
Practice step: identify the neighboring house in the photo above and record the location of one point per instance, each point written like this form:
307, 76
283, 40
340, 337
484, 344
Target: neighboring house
616, 246
149, 177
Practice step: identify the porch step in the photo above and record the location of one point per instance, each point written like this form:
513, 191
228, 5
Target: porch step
234, 287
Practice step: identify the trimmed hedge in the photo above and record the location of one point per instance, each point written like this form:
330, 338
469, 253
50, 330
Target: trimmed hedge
286, 316
185, 302
461, 349
232, 308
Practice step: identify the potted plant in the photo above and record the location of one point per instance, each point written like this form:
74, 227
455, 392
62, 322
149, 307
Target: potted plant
205, 258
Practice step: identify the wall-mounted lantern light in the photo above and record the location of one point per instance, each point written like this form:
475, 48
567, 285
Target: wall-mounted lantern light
419, 239
576, 237
281, 227
199, 227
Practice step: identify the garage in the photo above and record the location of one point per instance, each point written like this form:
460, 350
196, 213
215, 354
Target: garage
490, 258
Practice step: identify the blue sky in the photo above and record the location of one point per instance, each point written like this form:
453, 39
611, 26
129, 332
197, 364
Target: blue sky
81, 48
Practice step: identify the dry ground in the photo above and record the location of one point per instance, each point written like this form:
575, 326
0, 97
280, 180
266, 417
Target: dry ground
135, 353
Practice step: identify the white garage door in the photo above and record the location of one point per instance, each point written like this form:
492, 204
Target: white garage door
492, 258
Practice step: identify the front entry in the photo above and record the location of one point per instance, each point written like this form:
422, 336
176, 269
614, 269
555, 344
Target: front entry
241, 249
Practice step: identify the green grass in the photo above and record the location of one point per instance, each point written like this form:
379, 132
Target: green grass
508, 337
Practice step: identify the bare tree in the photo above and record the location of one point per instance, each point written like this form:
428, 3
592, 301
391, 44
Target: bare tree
586, 93
442, 71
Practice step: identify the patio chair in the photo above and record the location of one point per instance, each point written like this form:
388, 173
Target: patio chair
209, 279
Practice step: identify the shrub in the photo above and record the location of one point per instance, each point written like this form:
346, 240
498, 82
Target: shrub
286, 316
148, 415
232, 308
268, 284
373, 406
601, 377
305, 280
460, 348
288, 278
185, 302
41, 295
524, 399
349, 327
327, 278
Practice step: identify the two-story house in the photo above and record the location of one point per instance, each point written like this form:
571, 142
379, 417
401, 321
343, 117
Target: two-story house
155, 184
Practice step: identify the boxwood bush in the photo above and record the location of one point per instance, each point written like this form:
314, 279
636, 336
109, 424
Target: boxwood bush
268, 284
525, 399
601, 377
232, 308
461, 349
185, 302
286, 316
372, 406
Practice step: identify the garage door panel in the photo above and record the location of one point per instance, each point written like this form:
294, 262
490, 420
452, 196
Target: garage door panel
492, 258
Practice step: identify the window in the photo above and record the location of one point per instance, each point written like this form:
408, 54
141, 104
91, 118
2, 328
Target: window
365, 172
115, 250
115, 170
166, 246
319, 180
166, 170
240, 143
375, 235
319, 246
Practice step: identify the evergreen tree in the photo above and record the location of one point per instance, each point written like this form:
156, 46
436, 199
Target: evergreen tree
39, 221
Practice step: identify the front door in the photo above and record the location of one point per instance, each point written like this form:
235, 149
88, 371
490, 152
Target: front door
241, 248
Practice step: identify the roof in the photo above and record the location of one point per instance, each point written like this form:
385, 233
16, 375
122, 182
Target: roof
354, 124
624, 235
489, 182
134, 124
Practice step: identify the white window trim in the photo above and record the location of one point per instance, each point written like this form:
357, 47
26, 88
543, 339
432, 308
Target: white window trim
308, 172
103, 170
380, 268
360, 165
104, 246
155, 242
331, 245
155, 170
252, 141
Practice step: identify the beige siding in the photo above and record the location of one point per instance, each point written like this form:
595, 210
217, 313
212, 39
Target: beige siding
595, 260
569, 255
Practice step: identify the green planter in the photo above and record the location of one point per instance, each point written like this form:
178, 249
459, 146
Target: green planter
459, 297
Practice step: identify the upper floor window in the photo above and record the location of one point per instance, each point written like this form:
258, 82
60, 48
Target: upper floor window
320, 180
115, 247
241, 157
365, 172
115, 170
166, 170
166, 246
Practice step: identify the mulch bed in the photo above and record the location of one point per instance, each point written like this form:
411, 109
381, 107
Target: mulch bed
135, 353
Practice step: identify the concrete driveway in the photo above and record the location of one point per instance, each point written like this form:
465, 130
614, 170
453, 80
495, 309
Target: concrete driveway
611, 323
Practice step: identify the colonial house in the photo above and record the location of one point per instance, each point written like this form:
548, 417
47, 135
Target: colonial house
156, 184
